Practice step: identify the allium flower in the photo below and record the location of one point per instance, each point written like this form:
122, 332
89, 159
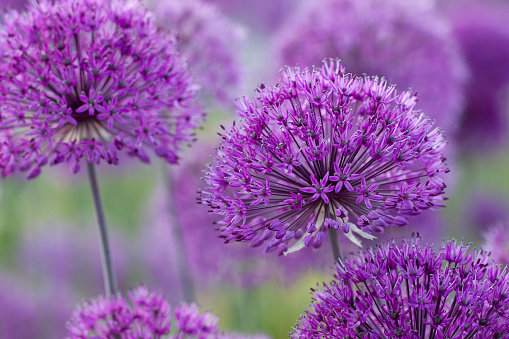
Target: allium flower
146, 315
405, 42
411, 291
481, 29
320, 150
209, 40
84, 79
496, 241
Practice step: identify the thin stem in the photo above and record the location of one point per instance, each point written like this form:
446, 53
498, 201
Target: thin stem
180, 249
334, 244
110, 281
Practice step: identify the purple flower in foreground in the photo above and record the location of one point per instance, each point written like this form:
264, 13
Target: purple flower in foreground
411, 291
209, 40
146, 315
298, 139
496, 241
87, 79
406, 42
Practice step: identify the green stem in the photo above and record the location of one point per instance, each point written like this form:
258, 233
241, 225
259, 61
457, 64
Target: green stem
110, 283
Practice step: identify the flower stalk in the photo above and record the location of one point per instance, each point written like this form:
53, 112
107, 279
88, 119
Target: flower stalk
110, 281
180, 250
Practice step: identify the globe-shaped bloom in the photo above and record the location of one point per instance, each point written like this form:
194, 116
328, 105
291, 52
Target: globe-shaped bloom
87, 79
144, 315
481, 29
411, 291
496, 241
323, 149
209, 40
406, 42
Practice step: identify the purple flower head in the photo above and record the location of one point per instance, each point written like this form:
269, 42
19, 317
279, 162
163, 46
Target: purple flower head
411, 291
481, 29
276, 173
85, 79
209, 40
405, 42
145, 315
496, 241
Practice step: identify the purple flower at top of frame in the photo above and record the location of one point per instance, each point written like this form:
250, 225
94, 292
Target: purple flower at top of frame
323, 149
411, 291
481, 29
86, 79
210, 42
405, 42
496, 241
144, 315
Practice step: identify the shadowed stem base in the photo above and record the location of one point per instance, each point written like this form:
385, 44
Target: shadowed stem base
110, 282
334, 244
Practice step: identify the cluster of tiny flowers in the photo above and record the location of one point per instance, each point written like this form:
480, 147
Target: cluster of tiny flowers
317, 151
496, 241
146, 316
411, 291
406, 42
210, 42
85, 79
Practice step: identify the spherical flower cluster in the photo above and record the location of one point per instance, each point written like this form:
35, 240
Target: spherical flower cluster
86, 79
322, 150
209, 40
146, 316
481, 29
405, 42
411, 291
496, 241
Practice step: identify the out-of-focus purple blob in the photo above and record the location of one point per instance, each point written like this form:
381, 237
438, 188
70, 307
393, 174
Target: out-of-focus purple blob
7, 4
484, 208
209, 40
70, 256
263, 16
496, 241
430, 227
482, 31
406, 42
209, 259
37, 310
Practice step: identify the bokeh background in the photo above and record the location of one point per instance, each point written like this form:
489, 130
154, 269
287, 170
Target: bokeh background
454, 53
